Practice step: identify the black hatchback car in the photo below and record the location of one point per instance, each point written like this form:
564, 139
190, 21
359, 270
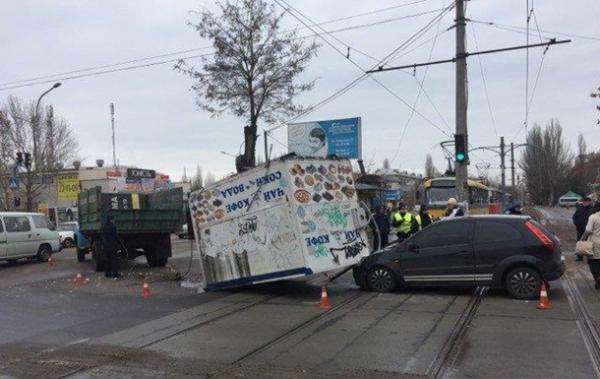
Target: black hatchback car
514, 252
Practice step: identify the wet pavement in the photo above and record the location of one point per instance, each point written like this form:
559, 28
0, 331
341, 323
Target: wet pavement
105, 329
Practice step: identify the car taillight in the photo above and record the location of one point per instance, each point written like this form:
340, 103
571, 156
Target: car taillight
540, 235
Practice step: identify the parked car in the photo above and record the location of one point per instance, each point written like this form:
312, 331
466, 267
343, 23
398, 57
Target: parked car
514, 252
27, 235
66, 232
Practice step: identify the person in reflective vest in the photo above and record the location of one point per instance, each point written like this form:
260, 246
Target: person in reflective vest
424, 219
404, 222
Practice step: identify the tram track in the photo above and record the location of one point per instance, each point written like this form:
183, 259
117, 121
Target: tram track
448, 354
585, 322
290, 332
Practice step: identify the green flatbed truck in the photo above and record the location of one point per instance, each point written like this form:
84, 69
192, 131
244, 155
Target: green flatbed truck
144, 223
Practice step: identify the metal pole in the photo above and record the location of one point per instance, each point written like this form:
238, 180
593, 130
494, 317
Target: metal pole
512, 167
112, 123
266, 147
502, 166
462, 174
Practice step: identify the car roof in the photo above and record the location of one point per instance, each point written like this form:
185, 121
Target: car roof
21, 214
495, 217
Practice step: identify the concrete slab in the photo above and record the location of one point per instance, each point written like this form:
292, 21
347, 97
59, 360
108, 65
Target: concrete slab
372, 335
502, 347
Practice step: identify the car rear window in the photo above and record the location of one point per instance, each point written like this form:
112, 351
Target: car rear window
494, 231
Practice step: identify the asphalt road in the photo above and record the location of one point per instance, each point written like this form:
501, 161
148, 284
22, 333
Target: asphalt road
105, 329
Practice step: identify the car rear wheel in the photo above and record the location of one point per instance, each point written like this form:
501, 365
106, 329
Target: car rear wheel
68, 242
44, 253
523, 283
381, 279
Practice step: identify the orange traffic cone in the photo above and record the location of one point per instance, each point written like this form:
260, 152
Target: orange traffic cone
324, 304
145, 289
50, 261
79, 280
544, 301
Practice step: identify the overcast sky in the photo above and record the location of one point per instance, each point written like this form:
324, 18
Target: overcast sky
160, 127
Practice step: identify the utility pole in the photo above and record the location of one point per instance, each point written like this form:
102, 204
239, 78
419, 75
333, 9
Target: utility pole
461, 168
461, 133
112, 122
512, 166
502, 165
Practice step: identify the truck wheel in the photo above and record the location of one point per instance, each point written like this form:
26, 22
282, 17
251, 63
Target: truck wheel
80, 255
157, 262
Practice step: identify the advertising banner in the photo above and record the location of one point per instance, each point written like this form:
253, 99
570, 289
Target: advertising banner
68, 187
341, 138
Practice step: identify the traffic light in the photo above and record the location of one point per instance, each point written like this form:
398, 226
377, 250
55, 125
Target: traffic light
19, 159
27, 160
17, 202
460, 147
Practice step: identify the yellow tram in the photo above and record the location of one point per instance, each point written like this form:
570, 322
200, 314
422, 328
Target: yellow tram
439, 190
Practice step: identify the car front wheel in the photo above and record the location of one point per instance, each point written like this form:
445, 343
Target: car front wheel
381, 279
523, 283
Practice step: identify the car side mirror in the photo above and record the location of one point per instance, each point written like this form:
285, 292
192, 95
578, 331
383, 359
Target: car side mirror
413, 247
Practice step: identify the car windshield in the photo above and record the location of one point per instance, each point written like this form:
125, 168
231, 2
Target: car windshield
439, 196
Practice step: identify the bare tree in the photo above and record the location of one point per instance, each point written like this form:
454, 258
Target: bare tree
253, 73
50, 141
596, 95
386, 164
210, 178
197, 179
430, 170
546, 163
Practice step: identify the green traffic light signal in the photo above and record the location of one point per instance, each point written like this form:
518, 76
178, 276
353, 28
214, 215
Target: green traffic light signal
460, 157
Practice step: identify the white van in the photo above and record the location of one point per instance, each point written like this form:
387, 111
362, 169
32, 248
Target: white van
26, 235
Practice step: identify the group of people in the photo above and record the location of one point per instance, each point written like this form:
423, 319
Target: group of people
404, 223
587, 222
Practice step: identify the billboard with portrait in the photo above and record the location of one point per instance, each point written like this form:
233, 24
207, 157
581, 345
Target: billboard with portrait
341, 138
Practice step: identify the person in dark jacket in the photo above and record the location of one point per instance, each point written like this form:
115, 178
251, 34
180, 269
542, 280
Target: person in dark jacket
109, 245
383, 224
580, 218
424, 219
515, 210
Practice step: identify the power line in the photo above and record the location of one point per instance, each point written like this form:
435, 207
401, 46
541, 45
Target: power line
487, 97
180, 52
489, 23
411, 39
104, 72
421, 89
105, 66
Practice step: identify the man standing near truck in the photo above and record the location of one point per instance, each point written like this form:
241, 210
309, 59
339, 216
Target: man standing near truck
109, 244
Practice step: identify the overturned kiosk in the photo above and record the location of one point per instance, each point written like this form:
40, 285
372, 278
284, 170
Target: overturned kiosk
290, 217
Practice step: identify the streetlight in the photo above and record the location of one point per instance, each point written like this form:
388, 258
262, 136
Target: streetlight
36, 122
